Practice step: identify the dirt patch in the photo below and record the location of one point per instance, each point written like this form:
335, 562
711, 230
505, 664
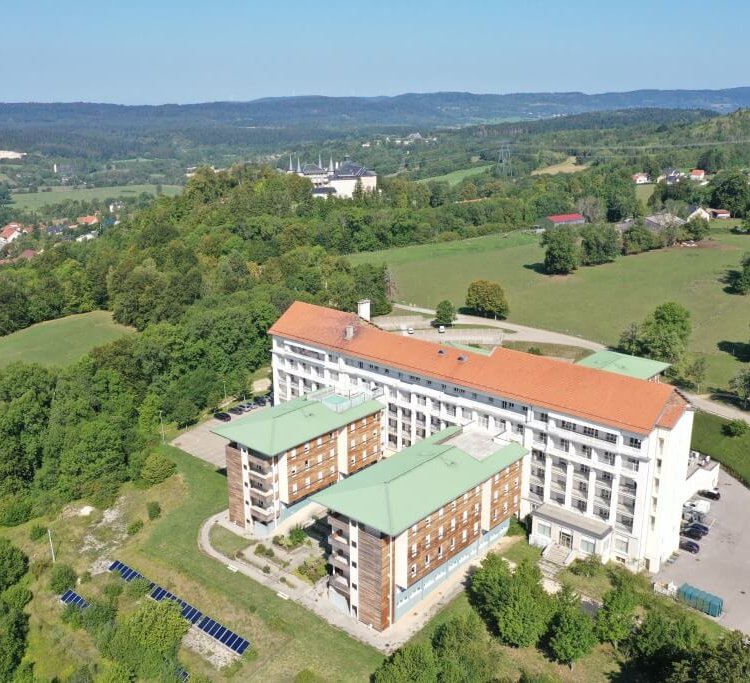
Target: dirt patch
106, 535
85, 511
206, 647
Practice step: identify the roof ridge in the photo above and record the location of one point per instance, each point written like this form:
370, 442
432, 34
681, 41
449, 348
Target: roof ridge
415, 464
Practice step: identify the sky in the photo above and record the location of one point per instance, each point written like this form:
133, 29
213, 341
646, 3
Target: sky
158, 51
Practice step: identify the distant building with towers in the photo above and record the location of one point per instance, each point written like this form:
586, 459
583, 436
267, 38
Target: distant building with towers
338, 179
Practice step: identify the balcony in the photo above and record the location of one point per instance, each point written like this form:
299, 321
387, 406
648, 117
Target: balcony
340, 561
339, 539
340, 584
262, 514
339, 526
260, 477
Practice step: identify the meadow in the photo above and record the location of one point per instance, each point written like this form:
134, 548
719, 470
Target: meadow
36, 200
567, 166
455, 177
60, 342
597, 303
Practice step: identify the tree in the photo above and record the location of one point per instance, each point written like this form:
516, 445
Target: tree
562, 254
665, 333
638, 238
730, 191
616, 618
740, 280
487, 298
740, 385
592, 208
515, 604
599, 244
725, 661
697, 229
661, 641
463, 650
445, 313
572, 632
630, 340
414, 663
157, 468
13, 564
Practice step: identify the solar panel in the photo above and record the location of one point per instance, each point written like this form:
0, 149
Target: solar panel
213, 628
70, 597
183, 675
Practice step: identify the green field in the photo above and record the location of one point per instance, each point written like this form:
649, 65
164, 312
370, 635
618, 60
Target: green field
37, 200
595, 303
643, 194
62, 341
731, 451
455, 177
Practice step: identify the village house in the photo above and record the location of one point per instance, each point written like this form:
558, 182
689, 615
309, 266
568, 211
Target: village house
640, 178
561, 219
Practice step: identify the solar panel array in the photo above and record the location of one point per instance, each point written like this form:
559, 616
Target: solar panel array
223, 635
70, 597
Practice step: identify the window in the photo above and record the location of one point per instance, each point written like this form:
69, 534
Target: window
464, 536
508, 405
441, 532
586, 451
414, 570
542, 417
519, 428
621, 545
607, 457
453, 544
427, 560
320, 476
587, 546
413, 549
427, 520
569, 426
564, 445
633, 442
610, 438
590, 431
544, 529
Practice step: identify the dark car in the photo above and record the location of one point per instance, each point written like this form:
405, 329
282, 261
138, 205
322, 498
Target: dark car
704, 529
712, 494
245, 407
690, 546
224, 417
695, 534
236, 410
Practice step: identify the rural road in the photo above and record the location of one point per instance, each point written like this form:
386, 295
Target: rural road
533, 334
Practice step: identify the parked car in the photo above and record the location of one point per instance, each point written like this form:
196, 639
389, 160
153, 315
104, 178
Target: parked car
261, 400
245, 407
410, 330
695, 534
713, 494
224, 417
441, 329
236, 410
703, 528
690, 546
699, 505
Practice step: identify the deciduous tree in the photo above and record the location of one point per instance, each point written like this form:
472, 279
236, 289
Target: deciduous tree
487, 298
445, 313
562, 254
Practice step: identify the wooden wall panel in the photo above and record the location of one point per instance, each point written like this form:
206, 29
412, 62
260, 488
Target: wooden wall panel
235, 487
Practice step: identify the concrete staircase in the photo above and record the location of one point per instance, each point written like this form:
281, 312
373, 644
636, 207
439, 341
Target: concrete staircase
554, 558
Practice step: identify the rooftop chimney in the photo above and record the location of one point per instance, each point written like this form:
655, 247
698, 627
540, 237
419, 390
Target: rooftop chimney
349, 332
363, 309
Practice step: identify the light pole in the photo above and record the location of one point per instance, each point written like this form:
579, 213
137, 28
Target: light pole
225, 389
51, 547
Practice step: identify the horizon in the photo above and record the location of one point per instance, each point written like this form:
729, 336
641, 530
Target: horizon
185, 53
376, 97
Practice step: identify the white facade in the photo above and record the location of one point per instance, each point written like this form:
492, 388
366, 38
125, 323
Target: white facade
599, 473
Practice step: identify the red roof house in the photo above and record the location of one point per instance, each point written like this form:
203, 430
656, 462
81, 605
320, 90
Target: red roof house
88, 220
566, 219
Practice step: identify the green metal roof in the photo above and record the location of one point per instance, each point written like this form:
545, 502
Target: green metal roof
399, 491
622, 364
275, 430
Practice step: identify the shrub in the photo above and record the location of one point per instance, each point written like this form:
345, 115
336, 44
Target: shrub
63, 577
14, 510
313, 569
137, 588
587, 567
263, 551
13, 564
266, 569
297, 537
534, 351
517, 527
736, 428
16, 597
156, 468
38, 567
154, 510
112, 591
37, 532
135, 527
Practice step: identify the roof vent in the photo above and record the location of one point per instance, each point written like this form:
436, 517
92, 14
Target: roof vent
462, 358
441, 352
349, 332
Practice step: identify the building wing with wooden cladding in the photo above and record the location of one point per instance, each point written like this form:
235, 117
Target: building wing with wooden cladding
278, 457
399, 528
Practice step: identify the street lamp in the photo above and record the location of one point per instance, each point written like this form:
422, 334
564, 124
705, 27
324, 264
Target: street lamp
161, 422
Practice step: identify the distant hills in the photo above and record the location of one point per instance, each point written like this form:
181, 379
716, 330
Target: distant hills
350, 113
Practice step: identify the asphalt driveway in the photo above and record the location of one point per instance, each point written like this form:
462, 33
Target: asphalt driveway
200, 442
722, 566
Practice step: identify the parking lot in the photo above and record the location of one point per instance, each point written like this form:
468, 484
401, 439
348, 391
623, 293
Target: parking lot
722, 566
200, 442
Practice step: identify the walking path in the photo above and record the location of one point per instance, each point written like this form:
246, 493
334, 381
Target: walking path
520, 332
316, 600
523, 333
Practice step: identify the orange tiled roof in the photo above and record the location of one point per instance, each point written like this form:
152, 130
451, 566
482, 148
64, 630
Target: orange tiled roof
602, 397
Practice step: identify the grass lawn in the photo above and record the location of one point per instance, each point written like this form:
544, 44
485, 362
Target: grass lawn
732, 452
62, 341
567, 166
226, 542
643, 193
596, 303
287, 637
36, 200
455, 177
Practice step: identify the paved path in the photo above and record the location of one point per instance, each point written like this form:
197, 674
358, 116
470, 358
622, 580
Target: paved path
523, 333
520, 332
